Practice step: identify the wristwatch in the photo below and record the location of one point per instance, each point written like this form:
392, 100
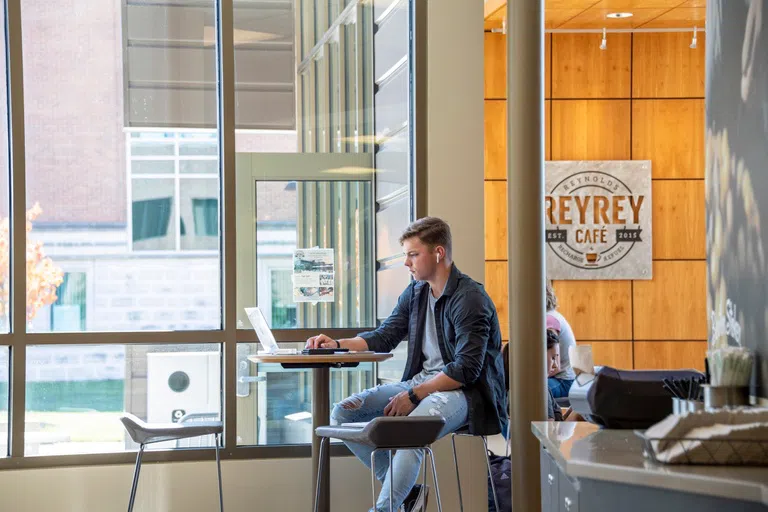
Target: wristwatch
412, 396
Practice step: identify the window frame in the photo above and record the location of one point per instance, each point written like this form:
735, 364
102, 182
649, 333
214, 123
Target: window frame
228, 336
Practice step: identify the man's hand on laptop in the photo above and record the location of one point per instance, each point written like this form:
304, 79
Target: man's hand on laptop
321, 341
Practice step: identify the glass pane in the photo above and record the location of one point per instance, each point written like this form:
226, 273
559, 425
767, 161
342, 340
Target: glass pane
68, 312
152, 166
199, 206
275, 407
286, 220
199, 167
153, 214
75, 394
297, 204
151, 149
198, 148
4, 189
107, 102
4, 400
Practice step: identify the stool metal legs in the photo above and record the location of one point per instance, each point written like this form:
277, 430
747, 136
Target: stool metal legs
487, 463
218, 467
458, 478
323, 448
137, 470
434, 478
135, 478
426, 450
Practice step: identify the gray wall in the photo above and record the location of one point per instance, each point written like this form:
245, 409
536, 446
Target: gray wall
737, 181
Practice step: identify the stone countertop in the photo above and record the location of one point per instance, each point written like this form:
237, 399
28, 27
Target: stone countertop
584, 450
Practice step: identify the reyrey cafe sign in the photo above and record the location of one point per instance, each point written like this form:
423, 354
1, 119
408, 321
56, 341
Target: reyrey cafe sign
598, 218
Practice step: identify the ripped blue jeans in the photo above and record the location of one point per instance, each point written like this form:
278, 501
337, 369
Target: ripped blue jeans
370, 404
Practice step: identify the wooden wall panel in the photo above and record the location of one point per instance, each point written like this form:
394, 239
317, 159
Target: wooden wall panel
495, 66
617, 354
666, 355
640, 99
547, 65
548, 130
496, 284
580, 69
665, 67
495, 139
591, 130
670, 133
495, 220
596, 310
678, 221
672, 306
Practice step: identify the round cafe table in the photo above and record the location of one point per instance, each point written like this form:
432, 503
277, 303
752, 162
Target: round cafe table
321, 409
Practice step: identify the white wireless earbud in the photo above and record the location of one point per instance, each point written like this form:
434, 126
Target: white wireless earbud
438, 258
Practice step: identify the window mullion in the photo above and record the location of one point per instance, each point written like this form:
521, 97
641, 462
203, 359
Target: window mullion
18, 295
225, 71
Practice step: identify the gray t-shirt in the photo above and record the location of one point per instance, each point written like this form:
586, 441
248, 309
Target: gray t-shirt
433, 359
566, 340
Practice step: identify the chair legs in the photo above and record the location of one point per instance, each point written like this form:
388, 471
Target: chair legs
426, 450
490, 475
456, 465
136, 471
434, 478
323, 448
487, 463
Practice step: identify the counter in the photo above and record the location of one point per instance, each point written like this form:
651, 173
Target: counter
610, 463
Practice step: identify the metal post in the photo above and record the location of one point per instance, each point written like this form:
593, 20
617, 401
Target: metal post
321, 414
525, 189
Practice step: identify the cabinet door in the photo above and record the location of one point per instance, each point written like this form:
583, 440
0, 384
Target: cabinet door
546, 494
568, 494
549, 477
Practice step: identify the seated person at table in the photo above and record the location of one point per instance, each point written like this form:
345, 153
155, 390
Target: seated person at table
454, 360
561, 382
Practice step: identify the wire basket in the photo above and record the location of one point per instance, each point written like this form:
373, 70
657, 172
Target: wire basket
706, 452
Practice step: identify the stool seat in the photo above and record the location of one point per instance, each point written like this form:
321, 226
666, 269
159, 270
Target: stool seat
144, 433
395, 432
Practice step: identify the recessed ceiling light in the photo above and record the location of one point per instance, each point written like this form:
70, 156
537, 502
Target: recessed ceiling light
619, 15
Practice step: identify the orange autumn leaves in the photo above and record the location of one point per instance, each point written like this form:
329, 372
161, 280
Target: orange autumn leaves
43, 276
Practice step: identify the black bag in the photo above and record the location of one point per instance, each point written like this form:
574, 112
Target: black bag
501, 472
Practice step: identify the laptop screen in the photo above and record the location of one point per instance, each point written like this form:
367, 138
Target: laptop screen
263, 332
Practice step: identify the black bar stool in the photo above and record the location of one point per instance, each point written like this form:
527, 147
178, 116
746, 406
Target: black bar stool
144, 434
387, 433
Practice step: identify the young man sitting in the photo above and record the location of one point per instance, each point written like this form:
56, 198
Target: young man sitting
454, 367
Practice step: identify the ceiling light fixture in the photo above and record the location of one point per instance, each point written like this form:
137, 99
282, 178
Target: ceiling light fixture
693, 44
619, 15
603, 43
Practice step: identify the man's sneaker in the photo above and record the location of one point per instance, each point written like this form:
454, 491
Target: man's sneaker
416, 501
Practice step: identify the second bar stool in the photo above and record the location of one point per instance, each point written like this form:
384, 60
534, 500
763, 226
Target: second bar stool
388, 433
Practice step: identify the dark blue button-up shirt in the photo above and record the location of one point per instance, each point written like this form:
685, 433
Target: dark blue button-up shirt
470, 342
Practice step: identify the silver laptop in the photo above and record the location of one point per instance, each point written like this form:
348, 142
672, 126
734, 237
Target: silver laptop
264, 333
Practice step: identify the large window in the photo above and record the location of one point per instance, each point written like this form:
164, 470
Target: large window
137, 271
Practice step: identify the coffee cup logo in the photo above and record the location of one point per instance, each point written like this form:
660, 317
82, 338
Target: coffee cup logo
593, 219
